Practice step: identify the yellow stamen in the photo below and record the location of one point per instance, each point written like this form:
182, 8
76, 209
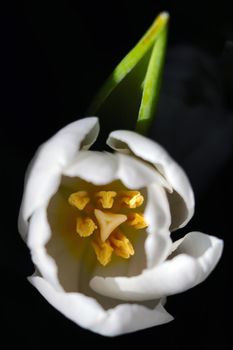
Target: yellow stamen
121, 245
103, 251
85, 226
104, 221
137, 220
79, 199
132, 199
106, 198
108, 222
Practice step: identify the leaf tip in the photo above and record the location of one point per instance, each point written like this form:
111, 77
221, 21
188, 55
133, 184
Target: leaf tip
164, 15
163, 18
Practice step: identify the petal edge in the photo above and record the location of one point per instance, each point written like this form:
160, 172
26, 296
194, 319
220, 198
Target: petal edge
152, 152
182, 272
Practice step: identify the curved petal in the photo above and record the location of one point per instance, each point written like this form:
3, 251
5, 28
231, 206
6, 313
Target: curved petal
38, 234
96, 167
197, 255
182, 201
102, 168
135, 173
43, 175
64, 246
158, 243
87, 313
50, 251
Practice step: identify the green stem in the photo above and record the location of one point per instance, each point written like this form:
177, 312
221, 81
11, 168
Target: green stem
152, 83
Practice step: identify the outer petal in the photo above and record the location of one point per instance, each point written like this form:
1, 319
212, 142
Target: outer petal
38, 235
196, 257
43, 175
87, 313
182, 201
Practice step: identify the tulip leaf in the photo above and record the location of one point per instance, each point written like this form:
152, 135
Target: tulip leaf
129, 97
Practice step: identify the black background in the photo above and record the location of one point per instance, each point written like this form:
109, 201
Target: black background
55, 57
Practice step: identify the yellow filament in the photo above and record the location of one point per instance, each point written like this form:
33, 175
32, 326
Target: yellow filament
103, 251
132, 199
85, 226
108, 222
106, 198
79, 199
121, 245
137, 221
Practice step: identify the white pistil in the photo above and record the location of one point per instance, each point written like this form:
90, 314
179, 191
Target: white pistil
108, 222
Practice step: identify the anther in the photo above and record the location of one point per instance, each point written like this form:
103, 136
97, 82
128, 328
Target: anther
121, 245
103, 251
85, 226
79, 199
131, 199
106, 198
137, 220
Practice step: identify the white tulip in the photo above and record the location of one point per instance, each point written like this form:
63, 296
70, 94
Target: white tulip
99, 225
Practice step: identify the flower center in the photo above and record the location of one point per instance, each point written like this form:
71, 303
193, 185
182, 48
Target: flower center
102, 215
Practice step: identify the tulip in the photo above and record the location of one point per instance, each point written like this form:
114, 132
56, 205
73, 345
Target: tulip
99, 229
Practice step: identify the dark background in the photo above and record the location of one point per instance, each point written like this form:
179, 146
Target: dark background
55, 57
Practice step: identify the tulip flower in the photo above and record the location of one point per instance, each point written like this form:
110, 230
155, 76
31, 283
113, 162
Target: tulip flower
99, 227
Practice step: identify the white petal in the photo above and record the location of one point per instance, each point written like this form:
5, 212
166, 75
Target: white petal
197, 255
53, 260
87, 313
43, 175
101, 168
64, 245
206, 249
96, 167
38, 234
182, 205
135, 173
158, 243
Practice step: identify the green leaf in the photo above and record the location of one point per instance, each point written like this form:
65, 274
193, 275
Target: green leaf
129, 96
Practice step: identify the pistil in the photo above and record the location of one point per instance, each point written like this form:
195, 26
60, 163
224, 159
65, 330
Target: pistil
108, 222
